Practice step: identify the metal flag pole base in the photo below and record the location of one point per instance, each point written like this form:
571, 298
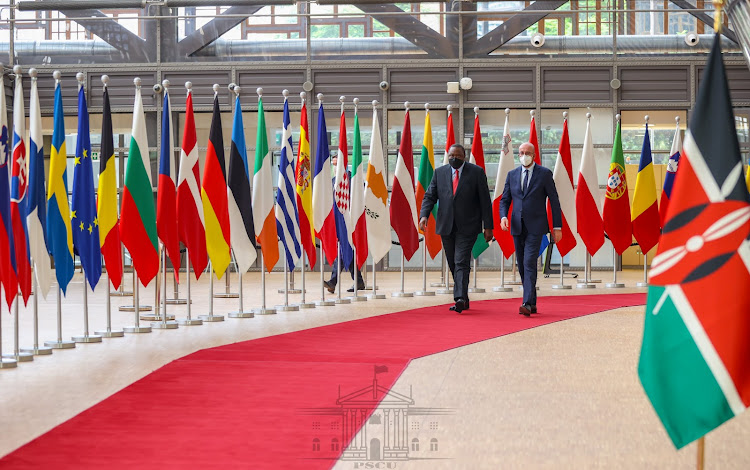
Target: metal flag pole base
424, 293
17, 354
155, 317
131, 308
263, 310
614, 285
189, 321
357, 298
109, 332
323, 302
177, 300
226, 294
60, 343
442, 282
211, 317
87, 339
287, 308
290, 291
239, 314
169, 325
8, 363
21, 357
36, 350
502, 287
401, 293
136, 328
343, 300
303, 303
514, 282
562, 286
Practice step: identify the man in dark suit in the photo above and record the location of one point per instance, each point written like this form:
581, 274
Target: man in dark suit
528, 187
463, 197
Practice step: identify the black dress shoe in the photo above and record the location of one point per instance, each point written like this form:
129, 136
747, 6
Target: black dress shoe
531, 307
524, 310
359, 287
460, 306
331, 287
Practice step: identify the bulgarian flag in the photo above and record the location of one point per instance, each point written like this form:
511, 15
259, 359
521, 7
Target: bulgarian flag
138, 216
264, 216
426, 169
694, 358
477, 158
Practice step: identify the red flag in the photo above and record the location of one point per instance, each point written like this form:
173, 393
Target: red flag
403, 208
563, 177
303, 178
166, 200
533, 140
588, 205
190, 223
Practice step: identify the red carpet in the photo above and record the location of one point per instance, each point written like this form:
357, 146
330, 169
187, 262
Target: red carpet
244, 405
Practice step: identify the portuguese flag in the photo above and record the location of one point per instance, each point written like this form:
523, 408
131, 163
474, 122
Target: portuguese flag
138, 216
616, 213
696, 346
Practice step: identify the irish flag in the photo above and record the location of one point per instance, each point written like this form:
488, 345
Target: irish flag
138, 215
264, 217
694, 357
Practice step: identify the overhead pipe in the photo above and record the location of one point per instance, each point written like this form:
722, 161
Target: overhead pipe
53, 5
223, 49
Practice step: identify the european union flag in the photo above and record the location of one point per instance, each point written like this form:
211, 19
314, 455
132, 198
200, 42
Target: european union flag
85, 223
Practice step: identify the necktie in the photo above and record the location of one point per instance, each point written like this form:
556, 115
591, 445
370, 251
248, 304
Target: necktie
525, 180
455, 181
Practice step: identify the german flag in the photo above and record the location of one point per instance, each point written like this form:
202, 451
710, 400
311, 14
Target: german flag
214, 197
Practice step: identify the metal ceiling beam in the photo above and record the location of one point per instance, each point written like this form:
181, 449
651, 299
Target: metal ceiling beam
213, 30
704, 18
132, 47
412, 30
515, 25
104, 4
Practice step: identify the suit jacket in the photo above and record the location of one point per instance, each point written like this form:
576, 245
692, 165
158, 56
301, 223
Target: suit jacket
468, 210
532, 206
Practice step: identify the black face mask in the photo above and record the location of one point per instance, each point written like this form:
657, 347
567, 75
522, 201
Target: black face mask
455, 162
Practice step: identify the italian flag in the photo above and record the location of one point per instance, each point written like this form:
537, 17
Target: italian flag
138, 216
264, 217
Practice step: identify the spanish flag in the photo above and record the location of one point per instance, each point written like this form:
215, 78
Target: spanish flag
214, 196
303, 182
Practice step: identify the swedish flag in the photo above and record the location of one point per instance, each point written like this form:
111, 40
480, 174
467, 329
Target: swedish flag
59, 233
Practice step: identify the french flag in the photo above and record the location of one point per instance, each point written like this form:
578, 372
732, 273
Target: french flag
323, 216
166, 200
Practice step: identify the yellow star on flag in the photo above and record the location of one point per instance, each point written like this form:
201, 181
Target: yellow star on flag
96, 222
90, 228
85, 153
73, 215
77, 161
81, 226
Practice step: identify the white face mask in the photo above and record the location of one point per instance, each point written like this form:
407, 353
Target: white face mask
526, 160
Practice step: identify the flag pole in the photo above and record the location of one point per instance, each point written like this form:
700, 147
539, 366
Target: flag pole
303, 303
227, 287
189, 321
645, 272
86, 337
286, 307
4, 363
339, 299
701, 450
440, 283
211, 317
17, 355
323, 302
263, 310
424, 292
36, 350
446, 290
614, 284
514, 282
585, 283
375, 294
402, 293
240, 313
136, 328
356, 297
502, 287
475, 289
132, 308
59, 344
165, 323
562, 284
109, 332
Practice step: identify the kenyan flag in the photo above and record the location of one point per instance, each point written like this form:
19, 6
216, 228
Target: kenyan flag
696, 340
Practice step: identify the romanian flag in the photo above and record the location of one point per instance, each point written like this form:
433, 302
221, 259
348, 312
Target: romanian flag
7, 250
426, 169
138, 217
85, 221
303, 186
214, 195
18, 194
166, 201
263, 208
59, 233
645, 211
109, 223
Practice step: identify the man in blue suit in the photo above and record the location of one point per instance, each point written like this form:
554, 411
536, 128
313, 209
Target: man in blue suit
528, 187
